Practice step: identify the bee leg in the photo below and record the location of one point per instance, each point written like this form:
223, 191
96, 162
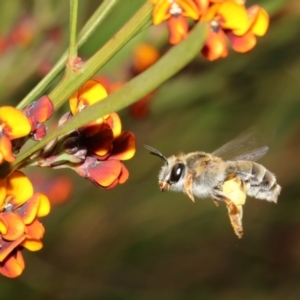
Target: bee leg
216, 202
217, 195
235, 215
188, 186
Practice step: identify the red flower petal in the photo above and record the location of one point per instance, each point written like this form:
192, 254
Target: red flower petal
13, 265
100, 143
40, 110
14, 224
105, 173
40, 132
243, 43
215, 46
6, 247
178, 29
124, 174
35, 230
29, 209
124, 146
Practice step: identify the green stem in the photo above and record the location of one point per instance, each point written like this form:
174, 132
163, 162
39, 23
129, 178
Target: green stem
73, 30
95, 20
72, 81
172, 62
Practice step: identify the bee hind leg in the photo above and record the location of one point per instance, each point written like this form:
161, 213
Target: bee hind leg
235, 213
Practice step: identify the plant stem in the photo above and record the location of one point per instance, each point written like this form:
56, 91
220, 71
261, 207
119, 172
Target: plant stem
73, 30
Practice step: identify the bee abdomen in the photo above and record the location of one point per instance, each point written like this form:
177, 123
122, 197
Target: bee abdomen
260, 182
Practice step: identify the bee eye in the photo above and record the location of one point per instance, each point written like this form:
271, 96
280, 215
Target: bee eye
176, 173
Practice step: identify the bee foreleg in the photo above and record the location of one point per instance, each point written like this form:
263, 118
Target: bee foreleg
188, 185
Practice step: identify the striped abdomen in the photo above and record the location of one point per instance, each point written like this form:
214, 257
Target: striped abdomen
260, 182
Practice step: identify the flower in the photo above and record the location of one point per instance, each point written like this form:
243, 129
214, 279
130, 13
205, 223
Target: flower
13, 125
258, 25
106, 147
229, 19
90, 93
176, 12
19, 227
103, 140
94, 151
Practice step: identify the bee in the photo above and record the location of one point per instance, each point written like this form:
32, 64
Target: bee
200, 174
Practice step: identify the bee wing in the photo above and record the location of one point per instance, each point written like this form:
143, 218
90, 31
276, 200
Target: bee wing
244, 147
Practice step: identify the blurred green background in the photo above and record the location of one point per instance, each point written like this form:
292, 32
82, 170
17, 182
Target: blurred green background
134, 242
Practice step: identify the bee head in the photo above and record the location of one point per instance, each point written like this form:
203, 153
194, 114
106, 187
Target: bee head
171, 173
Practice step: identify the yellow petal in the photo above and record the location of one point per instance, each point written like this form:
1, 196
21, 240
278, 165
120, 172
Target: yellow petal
160, 12
20, 187
90, 93
44, 206
190, 9
13, 122
260, 23
32, 245
233, 17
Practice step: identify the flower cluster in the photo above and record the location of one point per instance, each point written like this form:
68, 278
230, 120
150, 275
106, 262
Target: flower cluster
94, 151
229, 21
20, 207
20, 228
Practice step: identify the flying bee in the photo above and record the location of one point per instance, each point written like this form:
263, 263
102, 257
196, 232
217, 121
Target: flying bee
200, 174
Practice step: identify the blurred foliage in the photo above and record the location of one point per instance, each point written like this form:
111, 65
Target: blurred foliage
134, 242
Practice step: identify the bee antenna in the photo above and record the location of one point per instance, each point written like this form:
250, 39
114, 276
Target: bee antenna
155, 152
